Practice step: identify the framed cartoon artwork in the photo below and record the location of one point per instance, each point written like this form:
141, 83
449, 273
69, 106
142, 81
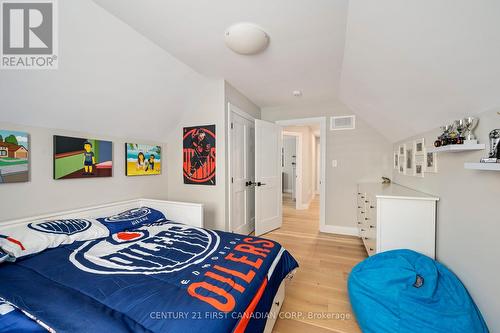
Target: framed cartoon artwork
14, 156
199, 158
82, 158
142, 159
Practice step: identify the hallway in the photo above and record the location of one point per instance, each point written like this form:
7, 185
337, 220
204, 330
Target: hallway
319, 287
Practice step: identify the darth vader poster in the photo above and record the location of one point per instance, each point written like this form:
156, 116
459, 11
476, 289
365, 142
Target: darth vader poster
199, 155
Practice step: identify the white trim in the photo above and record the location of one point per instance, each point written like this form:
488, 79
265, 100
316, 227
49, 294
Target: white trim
323, 141
182, 212
333, 229
298, 168
232, 109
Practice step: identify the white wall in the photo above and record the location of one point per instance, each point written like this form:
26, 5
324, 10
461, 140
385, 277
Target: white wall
42, 194
209, 107
112, 84
468, 218
363, 155
111, 81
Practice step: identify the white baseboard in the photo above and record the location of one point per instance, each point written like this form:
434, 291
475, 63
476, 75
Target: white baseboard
306, 205
333, 229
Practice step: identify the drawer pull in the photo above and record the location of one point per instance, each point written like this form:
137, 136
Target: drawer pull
372, 207
359, 193
366, 219
363, 230
366, 201
365, 238
372, 226
277, 303
362, 197
362, 212
359, 222
371, 249
359, 207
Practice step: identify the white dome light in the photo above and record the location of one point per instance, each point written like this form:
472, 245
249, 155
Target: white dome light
246, 38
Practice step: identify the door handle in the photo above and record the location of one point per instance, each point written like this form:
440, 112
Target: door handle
260, 184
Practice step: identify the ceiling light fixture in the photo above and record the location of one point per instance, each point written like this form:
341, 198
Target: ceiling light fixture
297, 93
246, 38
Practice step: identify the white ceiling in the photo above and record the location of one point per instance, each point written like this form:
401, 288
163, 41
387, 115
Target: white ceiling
410, 66
306, 49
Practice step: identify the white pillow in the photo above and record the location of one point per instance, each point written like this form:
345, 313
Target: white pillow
22, 240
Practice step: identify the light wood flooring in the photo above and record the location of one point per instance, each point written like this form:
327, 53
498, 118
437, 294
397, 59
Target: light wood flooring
319, 287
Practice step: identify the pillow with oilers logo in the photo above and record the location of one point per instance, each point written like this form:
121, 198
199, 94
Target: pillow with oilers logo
22, 240
132, 218
162, 247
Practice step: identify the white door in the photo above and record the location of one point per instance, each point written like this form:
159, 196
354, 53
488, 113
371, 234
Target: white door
268, 196
242, 207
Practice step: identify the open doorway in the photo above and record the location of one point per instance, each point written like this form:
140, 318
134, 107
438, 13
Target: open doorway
303, 168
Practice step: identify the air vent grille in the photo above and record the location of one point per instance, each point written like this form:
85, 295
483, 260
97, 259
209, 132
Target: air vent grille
343, 123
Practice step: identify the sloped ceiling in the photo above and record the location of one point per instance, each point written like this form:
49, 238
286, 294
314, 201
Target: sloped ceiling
306, 49
410, 66
111, 81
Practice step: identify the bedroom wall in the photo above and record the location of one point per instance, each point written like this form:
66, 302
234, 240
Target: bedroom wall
42, 194
467, 237
106, 68
363, 154
209, 107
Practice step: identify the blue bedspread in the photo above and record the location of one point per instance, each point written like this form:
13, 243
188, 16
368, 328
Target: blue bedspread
164, 277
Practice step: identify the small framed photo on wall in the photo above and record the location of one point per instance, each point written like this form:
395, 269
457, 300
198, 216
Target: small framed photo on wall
410, 159
419, 166
431, 162
419, 147
396, 160
402, 159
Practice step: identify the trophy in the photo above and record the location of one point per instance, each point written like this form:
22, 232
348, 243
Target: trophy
470, 124
458, 133
444, 139
494, 156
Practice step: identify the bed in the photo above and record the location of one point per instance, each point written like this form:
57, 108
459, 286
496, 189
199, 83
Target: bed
170, 275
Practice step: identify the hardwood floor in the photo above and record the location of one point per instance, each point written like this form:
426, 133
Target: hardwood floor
317, 295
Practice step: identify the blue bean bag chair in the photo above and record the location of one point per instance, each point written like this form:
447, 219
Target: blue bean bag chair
404, 291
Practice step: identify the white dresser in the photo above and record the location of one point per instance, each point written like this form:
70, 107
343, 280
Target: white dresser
392, 216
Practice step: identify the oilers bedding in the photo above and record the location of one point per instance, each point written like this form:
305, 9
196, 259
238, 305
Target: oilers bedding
140, 273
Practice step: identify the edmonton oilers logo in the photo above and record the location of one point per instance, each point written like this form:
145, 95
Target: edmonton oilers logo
61, 227
156, 249
129, 215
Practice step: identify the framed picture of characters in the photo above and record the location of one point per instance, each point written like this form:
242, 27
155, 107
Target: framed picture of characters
142, 160
199, 159
82, 158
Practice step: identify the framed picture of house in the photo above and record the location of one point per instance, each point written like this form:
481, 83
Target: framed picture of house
14, 156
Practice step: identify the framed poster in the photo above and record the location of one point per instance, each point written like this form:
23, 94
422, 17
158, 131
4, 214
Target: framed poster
14, 157
142, 160
199, 159
82, 158
410, 159
431, 162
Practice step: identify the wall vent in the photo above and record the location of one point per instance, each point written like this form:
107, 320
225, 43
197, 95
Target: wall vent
342, 123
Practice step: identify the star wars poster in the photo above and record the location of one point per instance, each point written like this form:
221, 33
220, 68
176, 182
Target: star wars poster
199, 155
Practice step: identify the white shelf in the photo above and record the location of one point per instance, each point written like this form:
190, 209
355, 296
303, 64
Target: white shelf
483, 166
456, 148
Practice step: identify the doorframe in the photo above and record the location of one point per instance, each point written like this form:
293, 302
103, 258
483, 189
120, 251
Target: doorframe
322, 121
298, 168
236, 110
